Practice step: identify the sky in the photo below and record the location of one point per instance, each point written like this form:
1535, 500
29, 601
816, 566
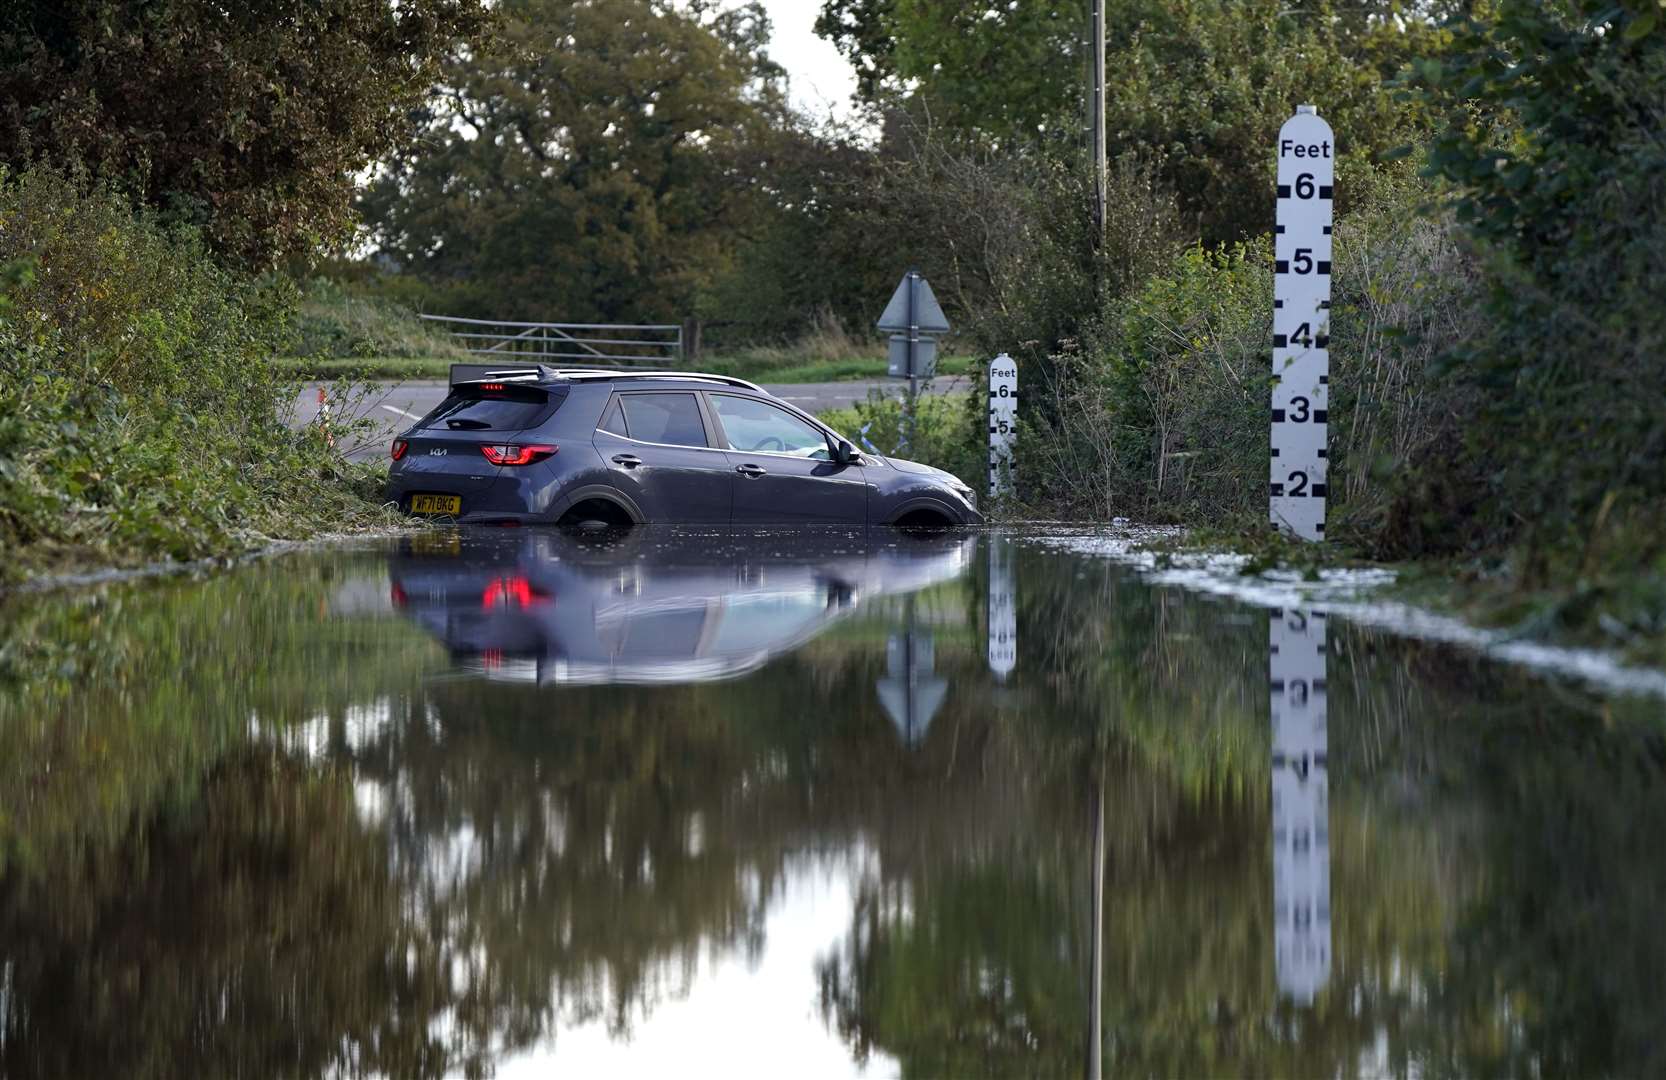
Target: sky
821, 79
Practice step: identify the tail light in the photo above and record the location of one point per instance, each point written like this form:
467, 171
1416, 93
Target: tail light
399, 448
512, 592
501, 454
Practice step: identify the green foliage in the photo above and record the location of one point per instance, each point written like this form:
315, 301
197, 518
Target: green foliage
1195, 90
1552, 147
942, 438
339, 322
249, 120
138, 416
585, 166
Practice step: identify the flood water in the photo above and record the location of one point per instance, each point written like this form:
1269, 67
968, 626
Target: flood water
509, 802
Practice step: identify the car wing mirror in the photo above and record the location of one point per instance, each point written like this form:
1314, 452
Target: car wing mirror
844, 453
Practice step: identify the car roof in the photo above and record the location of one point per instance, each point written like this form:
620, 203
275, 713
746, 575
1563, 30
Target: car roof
538, 374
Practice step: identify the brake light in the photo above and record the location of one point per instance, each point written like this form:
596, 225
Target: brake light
491, 386
501, 454
512, 592
399, 448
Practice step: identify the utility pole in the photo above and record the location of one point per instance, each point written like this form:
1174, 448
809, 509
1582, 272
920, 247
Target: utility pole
1096, 107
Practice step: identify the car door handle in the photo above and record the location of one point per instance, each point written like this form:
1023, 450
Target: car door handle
629, 461
754, 471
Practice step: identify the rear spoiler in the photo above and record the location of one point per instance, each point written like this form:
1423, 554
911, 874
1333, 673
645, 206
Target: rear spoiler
475, 373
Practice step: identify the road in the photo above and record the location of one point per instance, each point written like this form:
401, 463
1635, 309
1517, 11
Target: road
394, 406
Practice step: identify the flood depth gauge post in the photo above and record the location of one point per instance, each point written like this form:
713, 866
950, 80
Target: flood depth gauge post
1301, 324
1003, 425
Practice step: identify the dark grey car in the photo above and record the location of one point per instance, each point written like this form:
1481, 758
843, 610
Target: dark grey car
538, 445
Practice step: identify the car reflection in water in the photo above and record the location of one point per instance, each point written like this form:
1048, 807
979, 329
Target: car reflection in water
654, 604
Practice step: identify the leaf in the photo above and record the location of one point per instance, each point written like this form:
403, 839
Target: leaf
1641, 26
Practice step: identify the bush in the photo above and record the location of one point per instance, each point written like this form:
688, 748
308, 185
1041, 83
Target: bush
139, 417
334, 321
1161, 413
942, 436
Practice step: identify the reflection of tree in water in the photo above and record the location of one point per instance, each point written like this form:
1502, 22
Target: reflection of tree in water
569, 855
256, 931
976, 963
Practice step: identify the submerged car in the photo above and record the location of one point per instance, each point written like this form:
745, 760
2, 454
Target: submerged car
533, 445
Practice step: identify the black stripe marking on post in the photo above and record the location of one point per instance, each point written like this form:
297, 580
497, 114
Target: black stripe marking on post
1279, 229
1324, 453
1324, 305
1324, 266
1327, 230
1281, 266
1280, 341
1321, 341
1275, 451
1278, 416
1318, 491
1324, 380
1278, 489
1278, 303
1325, 191
1283, 191
1319, 415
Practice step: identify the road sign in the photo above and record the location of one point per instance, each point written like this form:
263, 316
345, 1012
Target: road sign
922, 357
1301, 324
1296, 654
914, 307
1003, 423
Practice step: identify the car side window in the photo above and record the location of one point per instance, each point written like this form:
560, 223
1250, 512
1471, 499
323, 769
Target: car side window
672, 418
613, 420
757, 425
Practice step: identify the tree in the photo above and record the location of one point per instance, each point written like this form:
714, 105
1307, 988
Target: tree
1551, 146
585, 165
250, 119
1196, 89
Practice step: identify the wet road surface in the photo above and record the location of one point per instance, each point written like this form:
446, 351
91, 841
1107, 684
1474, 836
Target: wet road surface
801, 803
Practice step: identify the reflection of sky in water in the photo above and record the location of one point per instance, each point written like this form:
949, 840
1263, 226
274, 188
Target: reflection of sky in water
741, 1017
812, 803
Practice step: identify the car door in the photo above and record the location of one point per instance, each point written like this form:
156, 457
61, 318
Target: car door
784, 472
659, 452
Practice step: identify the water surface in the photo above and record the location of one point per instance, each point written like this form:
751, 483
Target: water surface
812, 804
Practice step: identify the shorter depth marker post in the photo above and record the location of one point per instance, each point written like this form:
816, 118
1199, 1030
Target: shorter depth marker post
1301, 324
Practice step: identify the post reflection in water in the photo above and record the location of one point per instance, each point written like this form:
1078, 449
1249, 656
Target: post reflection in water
508, 801
1296, 665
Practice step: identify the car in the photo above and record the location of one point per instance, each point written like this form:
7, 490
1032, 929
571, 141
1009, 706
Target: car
645, 606
537, 445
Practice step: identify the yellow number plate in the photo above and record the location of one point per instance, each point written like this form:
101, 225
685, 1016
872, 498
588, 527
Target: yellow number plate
436, 504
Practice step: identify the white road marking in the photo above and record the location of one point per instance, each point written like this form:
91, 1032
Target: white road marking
402, 412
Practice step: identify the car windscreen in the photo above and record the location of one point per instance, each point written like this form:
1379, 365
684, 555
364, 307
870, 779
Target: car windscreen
495, 407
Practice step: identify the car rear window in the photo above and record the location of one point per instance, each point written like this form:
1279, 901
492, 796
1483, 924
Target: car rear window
494, 408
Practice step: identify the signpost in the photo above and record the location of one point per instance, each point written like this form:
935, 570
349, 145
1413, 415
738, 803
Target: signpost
1296, 648
911, 692
1301, 324
1003, 420
913, 311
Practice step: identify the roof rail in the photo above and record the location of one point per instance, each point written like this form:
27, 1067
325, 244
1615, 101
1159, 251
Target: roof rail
639, 373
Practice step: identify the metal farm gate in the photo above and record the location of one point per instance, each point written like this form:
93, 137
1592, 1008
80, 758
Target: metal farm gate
598, 344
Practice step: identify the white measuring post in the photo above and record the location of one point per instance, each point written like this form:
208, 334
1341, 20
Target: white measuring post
1003, 421
1296, 661
1003, 608
1301, 324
